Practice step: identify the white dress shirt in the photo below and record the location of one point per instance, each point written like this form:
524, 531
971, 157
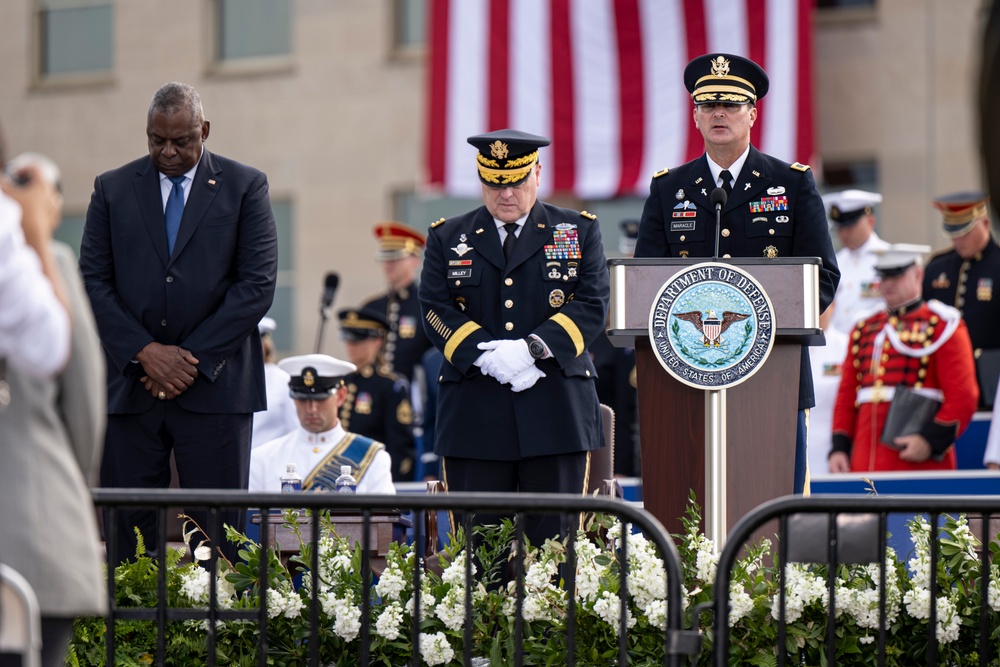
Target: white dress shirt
34, 325
992, 454
307, 450
825, 362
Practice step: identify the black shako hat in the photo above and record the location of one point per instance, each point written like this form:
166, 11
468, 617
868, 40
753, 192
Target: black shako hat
719, 78
506, 157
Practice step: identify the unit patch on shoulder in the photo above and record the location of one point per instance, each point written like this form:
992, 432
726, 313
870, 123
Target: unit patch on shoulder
589, 216
662, 172
437, 223
798, 166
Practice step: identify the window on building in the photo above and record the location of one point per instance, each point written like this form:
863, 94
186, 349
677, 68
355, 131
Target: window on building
409, 26
75, 38
253, 29
282, 309
860, 174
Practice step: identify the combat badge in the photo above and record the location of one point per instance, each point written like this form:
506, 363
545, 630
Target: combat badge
557, 298
780, 190
680, 194
941, 282
462, 248
770, 252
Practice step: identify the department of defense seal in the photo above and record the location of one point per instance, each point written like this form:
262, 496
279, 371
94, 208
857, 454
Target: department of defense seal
711, 326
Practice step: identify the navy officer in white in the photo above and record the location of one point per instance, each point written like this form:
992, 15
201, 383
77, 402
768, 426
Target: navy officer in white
320, 445
512, 294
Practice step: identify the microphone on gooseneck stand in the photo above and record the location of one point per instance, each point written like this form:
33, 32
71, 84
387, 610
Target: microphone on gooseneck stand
326, 301
718, 199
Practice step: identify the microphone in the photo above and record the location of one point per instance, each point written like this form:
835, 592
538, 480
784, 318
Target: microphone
330, 288
718, 199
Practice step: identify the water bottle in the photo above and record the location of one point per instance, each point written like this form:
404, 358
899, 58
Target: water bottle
346, 482
290, 481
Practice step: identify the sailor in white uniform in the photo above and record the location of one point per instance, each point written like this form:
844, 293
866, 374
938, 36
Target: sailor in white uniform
320, 445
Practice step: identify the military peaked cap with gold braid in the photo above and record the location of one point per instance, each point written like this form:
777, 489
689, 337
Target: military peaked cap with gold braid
396, 241
315, 376
960, 210
722, 78
506, 157
361, 324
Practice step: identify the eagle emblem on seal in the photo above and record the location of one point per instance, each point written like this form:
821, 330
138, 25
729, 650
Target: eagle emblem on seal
711, 327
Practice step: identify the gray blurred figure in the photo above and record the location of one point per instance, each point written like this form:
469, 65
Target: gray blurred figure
280, 418
51, 434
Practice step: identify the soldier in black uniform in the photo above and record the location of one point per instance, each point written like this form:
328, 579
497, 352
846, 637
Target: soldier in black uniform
965, 275
399, 250
512, 294
378, 401
773, 208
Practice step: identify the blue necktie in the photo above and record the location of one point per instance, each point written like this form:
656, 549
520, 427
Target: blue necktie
172, 213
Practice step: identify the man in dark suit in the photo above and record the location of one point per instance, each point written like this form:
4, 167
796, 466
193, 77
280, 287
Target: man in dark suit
512, 294
179, 257
773, 208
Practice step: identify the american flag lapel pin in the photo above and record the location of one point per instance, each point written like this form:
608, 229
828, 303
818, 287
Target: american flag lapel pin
211, 181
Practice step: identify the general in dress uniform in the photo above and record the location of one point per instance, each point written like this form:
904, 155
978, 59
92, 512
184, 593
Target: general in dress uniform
512, 294
399, 251
378, 401
320, 445
853, 215
965, 276
915, 345
772, 208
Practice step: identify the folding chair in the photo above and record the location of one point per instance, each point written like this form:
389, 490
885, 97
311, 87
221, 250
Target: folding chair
20, 618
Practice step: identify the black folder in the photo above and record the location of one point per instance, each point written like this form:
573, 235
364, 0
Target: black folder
909, 412
988, 374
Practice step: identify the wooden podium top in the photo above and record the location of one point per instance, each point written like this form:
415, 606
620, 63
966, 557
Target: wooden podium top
792, 284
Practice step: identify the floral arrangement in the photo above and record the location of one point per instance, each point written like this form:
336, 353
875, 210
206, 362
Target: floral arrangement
753, 618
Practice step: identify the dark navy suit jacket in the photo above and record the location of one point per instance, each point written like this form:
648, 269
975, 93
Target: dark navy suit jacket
207, 297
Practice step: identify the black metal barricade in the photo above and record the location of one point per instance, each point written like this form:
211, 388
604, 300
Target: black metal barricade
842, 594
676, 641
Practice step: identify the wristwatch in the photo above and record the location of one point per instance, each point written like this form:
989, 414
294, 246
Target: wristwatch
535, 348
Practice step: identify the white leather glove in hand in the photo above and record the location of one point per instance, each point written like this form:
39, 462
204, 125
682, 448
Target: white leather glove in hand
478, 363
507, 359
527, 378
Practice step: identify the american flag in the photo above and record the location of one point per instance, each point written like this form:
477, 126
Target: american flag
604, 80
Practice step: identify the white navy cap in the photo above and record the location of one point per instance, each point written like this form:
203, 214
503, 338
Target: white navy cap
315, 376
898, 257
846, 207
267, 326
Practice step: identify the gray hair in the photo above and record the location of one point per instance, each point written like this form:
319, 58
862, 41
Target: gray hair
173, 97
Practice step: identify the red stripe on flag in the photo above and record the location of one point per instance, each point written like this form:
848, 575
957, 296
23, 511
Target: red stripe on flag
694, 30
498, 66
437, 102
630, 93
563, 131
804, 94
756, 39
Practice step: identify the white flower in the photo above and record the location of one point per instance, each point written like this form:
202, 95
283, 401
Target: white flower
740, 603
284, 600
608, 609
391, 584
454, 574
389, 622
194, 584
345, 614
802, 588
427, 602
451, 610
202, 553
435, 649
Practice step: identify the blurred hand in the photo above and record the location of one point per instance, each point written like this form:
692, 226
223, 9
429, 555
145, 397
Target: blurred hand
916, 449
41, 204
839, 462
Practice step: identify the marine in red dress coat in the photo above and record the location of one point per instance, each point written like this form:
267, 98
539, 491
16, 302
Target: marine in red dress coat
914, 344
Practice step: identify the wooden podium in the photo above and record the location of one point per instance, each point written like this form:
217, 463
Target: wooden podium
760, 413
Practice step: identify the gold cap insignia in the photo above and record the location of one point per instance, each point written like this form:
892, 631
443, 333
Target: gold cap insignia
498, 149
720, 67
308, 379
770, 251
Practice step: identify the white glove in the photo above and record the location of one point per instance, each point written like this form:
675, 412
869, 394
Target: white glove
527, 378
478, 363
507, 359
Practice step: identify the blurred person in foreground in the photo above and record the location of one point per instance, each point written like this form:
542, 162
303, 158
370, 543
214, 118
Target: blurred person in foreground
912, 346
772, 209
853, 215
377, 405
991, 457
51, 433
179, 257
320, 445
279, 418
34, 307
965, 275
512, 294
827, 365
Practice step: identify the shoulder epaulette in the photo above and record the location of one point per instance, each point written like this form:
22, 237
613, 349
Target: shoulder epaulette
589, 216
798, 166
437, 223
662, 172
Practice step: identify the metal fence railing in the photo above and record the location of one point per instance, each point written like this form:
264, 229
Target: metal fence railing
846, 585
594, 589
